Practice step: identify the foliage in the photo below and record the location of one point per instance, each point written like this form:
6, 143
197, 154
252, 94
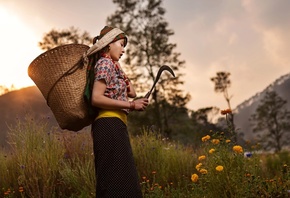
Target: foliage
148, 49
46, 163
222, 83
271, 117
43, 163
55, 38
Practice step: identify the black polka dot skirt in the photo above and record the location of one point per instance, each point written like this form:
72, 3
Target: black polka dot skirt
116, 172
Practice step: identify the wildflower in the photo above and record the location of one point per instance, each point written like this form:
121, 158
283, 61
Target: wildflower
226, 111
7, 192
144, 178
203, 171
215, 141
219, 168
205, 138
248, 154
153, 172
194, 178
198, 166
21, 189
228, 141
237, 149
202, 157
211, 151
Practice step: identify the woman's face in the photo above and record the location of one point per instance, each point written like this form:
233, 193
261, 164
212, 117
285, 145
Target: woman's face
117, 49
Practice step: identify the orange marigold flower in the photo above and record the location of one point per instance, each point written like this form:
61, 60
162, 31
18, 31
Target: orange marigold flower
205, 138
238, 149
203, 171
215, 141
228, 141
211, 151
202, 157
219, 168
194, 178
198, 166
226, 111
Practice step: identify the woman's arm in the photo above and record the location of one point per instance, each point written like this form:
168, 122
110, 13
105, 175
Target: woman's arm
132, 92
101, 101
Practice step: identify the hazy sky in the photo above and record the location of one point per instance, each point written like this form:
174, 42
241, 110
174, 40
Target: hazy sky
248, 38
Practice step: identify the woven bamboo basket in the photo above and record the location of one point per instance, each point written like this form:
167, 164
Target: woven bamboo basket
61, 77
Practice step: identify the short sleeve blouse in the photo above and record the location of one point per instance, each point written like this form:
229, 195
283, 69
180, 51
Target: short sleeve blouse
114, 77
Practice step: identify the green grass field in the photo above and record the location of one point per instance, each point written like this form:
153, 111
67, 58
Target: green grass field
46, 163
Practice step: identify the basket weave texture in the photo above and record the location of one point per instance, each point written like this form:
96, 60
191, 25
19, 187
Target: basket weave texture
61, 77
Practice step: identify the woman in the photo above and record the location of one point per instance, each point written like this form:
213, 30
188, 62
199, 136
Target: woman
115, 168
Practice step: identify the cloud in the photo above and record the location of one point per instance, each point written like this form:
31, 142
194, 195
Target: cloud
249, 39
271, 19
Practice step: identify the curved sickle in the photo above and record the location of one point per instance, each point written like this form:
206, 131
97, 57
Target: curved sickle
161, 69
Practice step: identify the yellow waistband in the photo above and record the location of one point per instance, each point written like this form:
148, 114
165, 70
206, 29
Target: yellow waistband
113, 113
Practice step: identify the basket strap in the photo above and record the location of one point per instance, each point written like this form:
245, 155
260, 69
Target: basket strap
73, 69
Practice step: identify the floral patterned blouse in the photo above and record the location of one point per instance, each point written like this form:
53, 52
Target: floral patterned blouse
114, 77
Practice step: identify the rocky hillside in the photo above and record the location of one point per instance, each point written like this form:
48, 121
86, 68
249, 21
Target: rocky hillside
244, 111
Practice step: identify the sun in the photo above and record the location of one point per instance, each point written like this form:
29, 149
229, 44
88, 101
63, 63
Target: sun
18, 47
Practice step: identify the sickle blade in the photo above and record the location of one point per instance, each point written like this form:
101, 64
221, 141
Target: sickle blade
161, 69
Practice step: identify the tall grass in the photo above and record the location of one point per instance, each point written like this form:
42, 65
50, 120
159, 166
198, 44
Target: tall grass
43, 162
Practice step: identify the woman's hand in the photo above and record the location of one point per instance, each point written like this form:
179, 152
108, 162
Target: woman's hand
141, 104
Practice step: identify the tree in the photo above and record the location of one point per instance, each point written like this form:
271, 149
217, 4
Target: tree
221, 85
272, 122
4, 89
55, 38
149, 48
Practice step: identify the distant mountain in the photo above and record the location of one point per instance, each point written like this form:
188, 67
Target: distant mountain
15, 105
244, 111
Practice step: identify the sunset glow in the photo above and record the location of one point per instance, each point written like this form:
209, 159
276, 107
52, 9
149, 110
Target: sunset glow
248, 39
20, 45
